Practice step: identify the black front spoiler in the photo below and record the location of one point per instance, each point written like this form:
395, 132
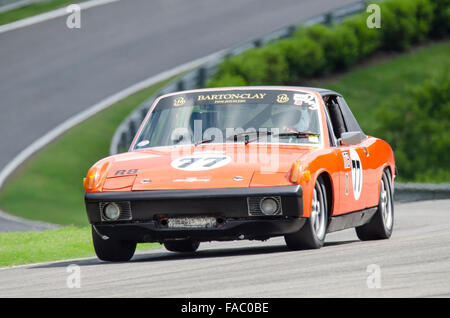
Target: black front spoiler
251, 229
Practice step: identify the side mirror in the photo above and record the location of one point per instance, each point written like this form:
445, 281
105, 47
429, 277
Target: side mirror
351, 138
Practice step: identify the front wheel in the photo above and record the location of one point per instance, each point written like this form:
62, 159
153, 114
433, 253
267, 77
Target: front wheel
182, 246
382, 223
312, 234
111, 250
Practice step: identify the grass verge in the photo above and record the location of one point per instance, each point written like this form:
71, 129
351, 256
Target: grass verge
19, 248
49, 186
33, 9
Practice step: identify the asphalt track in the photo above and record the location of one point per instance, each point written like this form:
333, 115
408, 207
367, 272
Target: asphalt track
11, 223
49, 73
415, 262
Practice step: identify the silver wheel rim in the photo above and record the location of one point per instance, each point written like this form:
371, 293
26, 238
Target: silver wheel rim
386, 205
318, 214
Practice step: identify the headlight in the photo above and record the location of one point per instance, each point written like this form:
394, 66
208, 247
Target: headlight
111, 211
269, 206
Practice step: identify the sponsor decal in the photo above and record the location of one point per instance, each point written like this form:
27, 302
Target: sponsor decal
347, 161
231, 98
125, 172
357, 174
346, 183
282, 98
192, 179
227, 97
200, 162
308, 99
179, 101
313, 138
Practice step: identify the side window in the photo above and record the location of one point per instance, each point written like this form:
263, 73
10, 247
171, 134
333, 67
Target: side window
336, 117
332, 138
350, 120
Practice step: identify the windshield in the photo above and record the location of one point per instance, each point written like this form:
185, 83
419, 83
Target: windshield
232, 116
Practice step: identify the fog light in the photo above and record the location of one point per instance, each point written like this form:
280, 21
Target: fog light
111, 211
269, 206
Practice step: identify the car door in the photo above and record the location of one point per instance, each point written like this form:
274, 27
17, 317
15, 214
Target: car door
352, 177
358, 168
352, 161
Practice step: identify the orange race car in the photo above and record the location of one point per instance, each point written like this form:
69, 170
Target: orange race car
242, 163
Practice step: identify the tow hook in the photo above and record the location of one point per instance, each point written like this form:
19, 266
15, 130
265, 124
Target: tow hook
103, 237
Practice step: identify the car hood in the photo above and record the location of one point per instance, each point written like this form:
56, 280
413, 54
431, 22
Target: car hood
204, 166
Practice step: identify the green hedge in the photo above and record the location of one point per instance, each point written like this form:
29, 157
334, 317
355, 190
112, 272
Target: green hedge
441, 18
319, 49
406, 22
257, 66
417, 127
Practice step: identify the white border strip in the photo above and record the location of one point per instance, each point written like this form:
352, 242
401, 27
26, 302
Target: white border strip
75, 120
51, 15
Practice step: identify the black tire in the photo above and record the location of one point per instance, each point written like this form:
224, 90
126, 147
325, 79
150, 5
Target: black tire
182, 246
111, 250
381, 225
308, 237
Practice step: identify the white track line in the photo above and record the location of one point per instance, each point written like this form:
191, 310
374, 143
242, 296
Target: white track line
75, 260
28, 223
51, 15
75, 120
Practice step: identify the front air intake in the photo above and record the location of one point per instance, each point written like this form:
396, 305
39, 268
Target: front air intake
125, 210
254, 206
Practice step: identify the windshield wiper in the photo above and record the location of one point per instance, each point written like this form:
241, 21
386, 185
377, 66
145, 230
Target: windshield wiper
299, 134
177, 141
246, 134
204, 141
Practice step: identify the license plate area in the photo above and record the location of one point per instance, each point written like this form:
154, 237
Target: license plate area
200, 222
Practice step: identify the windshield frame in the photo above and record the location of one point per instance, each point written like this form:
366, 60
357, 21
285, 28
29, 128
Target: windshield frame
319, 103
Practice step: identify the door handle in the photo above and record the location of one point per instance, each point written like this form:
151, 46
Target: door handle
366, 151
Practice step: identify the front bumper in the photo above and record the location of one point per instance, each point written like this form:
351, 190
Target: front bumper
146, 210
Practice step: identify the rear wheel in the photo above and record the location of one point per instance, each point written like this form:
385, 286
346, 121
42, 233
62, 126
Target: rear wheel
182, 246
382, 223
312, 234
111, 250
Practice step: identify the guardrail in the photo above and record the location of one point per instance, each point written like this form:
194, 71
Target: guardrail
199, 76
409, 192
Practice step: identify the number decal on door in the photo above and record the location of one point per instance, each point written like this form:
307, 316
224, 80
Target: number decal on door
357, 175
200, 162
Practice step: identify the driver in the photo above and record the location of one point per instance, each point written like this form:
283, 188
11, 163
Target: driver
292, 118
